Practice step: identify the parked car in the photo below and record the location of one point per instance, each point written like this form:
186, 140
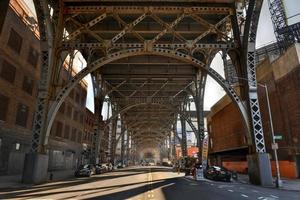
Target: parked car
100, 169
120, 165
218, 173
85, 170
109, 167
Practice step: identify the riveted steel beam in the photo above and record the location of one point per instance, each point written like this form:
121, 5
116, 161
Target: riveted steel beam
79, 45
174, 10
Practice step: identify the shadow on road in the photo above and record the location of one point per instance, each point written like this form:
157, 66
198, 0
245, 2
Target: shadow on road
40, 191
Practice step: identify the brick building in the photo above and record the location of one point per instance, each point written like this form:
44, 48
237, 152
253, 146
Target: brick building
192, 151
228, 144
19, 76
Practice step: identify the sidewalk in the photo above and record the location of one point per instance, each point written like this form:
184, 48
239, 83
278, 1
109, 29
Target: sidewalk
287, 184
14, 181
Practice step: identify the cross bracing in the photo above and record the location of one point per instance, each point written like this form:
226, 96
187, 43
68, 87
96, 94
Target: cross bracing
147, 59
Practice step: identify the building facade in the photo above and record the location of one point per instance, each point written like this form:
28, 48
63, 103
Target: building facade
19, 77
228, 141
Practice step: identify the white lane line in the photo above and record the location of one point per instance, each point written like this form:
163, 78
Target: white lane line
243, 195
230, 190
274, 196
187, 179
260, 197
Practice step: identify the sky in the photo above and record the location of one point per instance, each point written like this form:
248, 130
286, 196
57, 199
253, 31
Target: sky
213, 92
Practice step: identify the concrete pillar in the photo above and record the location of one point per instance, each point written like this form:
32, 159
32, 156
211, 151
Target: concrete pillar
259, 169
35, 168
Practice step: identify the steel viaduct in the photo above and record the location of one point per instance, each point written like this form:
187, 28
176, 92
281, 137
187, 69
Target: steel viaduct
150, 58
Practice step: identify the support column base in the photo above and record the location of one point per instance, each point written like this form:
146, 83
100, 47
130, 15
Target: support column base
259, 169
35, 168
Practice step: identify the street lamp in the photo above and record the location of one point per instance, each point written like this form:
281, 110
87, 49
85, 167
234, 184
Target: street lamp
278, 181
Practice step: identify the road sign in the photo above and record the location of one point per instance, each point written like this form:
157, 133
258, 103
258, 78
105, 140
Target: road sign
199, 174
278, 137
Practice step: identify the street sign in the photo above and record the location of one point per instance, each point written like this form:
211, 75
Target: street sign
278, 137
199, 174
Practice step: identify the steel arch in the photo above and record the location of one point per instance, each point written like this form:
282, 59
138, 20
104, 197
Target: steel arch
134, 52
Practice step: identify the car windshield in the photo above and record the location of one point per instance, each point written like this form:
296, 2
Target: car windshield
217, 168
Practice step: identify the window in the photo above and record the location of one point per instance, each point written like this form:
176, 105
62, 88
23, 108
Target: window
77, 98
69, 111
67, 132
73, 136
22, 115
83, 101
71, 95
75, 115
59, 127
4, 101
79, 136
33, 57
28, 85
15, 41
81, 119
62, 108
8, 72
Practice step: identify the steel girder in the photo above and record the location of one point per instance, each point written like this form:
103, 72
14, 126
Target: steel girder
183, 138
180, 48
252, 17
47, 40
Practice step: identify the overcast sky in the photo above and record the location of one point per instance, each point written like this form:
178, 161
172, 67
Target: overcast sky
213, 91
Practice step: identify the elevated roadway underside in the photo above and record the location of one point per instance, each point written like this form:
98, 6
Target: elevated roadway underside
149, 89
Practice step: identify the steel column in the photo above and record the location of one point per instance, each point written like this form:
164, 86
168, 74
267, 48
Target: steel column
183, 138
259, 166
113, 141
122, 141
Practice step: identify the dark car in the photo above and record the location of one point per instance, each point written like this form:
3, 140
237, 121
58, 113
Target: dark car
99, 169
85, 170
218, 173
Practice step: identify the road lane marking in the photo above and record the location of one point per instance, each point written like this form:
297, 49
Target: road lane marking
274, 196
260, 197
243, 195
150, 195
230, 190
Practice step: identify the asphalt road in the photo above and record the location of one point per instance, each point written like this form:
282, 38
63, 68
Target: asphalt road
146, 183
